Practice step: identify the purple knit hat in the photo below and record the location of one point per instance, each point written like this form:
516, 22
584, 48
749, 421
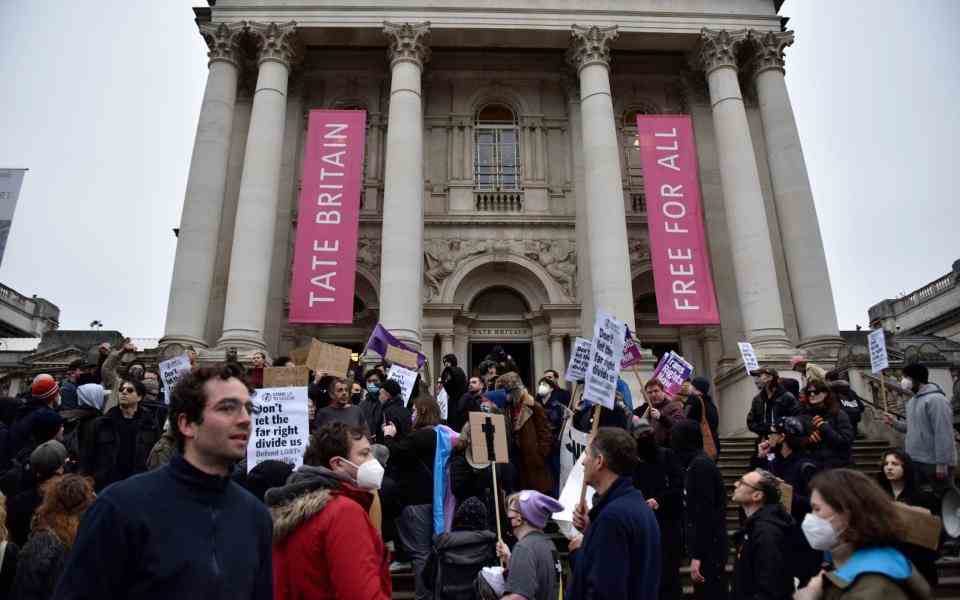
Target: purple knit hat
536, 508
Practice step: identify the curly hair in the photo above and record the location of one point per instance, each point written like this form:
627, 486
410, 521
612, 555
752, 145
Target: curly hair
65, 499
873, 519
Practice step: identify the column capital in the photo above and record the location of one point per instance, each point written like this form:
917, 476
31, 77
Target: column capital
769, 50
718, 48
408, 42
223, 41
590, 45
277, 42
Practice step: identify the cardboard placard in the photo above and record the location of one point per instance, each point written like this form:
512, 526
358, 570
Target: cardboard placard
281, 377
399, 356
299, 355
280, 430
786, 495
480, 422
328, 359
921, 527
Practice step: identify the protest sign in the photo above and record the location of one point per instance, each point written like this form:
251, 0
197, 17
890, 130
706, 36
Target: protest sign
399, 356
877, 343
329, 359
325, 245
579, 359
572, 444
172, 371
672, 371
299, 355
678, 248
280, 430
405, 377
749, 357
632, 354
488, 438
600, 383
570, 495
283, 377
443, 401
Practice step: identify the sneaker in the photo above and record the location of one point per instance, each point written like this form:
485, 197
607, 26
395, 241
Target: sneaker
397, 566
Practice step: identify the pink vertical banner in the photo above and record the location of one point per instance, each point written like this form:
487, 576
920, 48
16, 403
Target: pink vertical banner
325, 251
678, 243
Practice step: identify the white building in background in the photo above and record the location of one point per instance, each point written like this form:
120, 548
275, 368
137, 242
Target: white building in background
503, 193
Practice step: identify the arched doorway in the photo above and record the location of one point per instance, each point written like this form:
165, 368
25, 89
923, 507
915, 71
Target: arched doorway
510, 333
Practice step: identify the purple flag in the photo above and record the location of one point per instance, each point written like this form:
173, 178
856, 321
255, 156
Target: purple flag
381, 338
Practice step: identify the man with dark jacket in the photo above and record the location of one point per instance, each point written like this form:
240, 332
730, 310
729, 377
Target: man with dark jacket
850, 402
762, 570
391, 412
184, 530
705, 504
68, 387
699, 399
459, 413
121, 440
771, 404
619, 557
44, 393
325, 545
453, 379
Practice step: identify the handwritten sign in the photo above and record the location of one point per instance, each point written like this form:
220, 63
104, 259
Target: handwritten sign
579, 359
749, 356
877, 343
672, 371
329, 359
600, 383
172, 371
488, 438
399, 356
283, 377
280, 429
405, 377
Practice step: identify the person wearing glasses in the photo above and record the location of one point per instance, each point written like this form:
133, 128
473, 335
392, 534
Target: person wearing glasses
184, 530
121, 440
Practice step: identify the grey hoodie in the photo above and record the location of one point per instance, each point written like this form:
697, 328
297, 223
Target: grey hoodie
929, 427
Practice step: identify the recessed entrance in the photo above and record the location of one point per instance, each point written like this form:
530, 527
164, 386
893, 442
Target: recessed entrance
520, 351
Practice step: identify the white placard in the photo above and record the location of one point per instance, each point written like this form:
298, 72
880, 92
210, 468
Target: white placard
877, 341
600, 383
443, 400
172, 371
405, 377
749, 356
572, 444
579, 359
280, 428
570, 496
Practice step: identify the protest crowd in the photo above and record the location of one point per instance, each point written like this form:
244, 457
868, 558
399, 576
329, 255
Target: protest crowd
115, 486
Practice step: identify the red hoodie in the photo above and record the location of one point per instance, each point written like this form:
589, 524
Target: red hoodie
324, 546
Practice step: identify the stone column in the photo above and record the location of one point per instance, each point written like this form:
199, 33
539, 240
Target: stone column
401, 265
446, 347
203, 202
250, 258
584, 278
556, 354
799, 230
753, 265
607, 232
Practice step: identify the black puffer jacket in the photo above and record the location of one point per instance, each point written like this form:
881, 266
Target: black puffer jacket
831, 442
99, 457
762, 571
766, 411
39, 565
456, 559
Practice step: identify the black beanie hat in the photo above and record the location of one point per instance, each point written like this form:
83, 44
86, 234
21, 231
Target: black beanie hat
392, 388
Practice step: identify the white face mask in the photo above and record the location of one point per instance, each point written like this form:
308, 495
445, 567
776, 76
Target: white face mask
544, 389
369, 474
819, 532
906, 383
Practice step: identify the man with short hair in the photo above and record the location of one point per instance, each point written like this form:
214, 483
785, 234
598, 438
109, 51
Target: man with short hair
559, 394
771, 404
325, 545
340, 409
68, 387
619, 557
184, 530
661, 410
929, 428
763, 567
459, 414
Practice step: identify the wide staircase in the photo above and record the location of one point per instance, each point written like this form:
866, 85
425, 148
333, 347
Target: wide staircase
734, 462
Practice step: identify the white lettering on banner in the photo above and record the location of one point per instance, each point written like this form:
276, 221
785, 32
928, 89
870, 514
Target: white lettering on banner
877, 343
280, 428
600, 383
572, 444
579, 360
172, 371
749, 356
405, 377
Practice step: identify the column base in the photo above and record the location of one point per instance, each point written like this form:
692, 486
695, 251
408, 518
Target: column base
775, 341
242, 339
183, 340
823, 346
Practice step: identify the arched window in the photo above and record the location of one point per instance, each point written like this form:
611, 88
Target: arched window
497, 149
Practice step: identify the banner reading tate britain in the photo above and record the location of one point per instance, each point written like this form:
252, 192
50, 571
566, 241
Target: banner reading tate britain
678, 246
325, 251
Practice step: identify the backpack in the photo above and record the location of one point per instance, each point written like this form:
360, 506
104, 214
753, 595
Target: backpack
456, 560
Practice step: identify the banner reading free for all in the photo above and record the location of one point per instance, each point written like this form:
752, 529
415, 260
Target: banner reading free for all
678, 247
325, 251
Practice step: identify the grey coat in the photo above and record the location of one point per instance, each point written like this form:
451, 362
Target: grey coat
929, 427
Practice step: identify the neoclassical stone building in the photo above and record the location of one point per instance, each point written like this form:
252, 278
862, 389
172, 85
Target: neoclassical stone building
503, 192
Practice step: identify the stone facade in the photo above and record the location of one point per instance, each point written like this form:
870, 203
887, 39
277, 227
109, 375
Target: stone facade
459, 250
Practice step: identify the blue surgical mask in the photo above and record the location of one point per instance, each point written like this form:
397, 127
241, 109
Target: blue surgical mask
373, 388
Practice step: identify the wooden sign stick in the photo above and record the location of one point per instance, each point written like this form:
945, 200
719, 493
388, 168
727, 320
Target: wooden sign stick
643, 390
496, 500
883, 393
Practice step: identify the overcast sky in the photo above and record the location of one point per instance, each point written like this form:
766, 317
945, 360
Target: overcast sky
101, 106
